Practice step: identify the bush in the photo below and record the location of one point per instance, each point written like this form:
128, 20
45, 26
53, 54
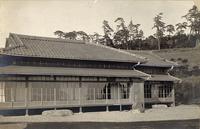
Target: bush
172, 59
179, 59
184, 61
195, 67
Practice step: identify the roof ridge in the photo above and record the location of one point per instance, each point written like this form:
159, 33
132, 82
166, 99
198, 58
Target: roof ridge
149, 75
124, 52
33, 37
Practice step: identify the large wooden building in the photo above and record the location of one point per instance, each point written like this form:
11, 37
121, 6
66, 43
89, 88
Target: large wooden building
40, 72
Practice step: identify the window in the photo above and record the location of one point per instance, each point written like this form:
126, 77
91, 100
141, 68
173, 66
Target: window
48, 93
61, 91
165, 90
73, 90
14, 91
2, 92
95, 91
125, 90
147, 90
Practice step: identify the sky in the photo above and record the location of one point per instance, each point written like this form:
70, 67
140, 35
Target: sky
43, 17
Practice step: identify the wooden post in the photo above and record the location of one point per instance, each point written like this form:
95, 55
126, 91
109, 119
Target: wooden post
80, 102
173, 96
54, 91
94, 95
120, 107
107, 108
12, 96
119, 97
80, 110
26, 96
118, 90
106, 94
41, 96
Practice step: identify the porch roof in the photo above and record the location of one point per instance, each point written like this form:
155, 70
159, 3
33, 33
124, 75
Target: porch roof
32, 70
156, 77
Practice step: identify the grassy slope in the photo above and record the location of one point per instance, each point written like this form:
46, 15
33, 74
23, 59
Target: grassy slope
191, 54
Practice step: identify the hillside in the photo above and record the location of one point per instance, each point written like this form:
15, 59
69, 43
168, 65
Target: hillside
191, 54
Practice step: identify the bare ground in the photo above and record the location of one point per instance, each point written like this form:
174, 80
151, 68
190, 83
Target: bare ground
183, 112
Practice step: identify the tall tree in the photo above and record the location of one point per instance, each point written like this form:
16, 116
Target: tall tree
131, 29
193, 18
170, 29
70, 35
140, 34
122, 34
95, 37
134, 31
82, 35
59, 33
108, 33
121, 25
159, 25
181, 27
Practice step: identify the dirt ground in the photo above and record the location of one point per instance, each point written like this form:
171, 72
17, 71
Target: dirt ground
189, 115
183, 112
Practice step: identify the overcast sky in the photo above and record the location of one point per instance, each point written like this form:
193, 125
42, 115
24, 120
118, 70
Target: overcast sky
42, 18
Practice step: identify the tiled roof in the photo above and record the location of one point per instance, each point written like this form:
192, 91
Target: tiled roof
30, 70
156, 77
34, 46
153, 59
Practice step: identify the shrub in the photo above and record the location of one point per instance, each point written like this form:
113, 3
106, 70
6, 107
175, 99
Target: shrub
179, 59
172, 59
184, 61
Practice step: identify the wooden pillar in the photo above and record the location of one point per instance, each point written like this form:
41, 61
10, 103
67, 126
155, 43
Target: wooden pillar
80, 110
120, 107
119, 97
26, 95
173, 95
12, 96
94, 95
41, 96
118, 90
54, 92
106, 94
107, 108
80, 102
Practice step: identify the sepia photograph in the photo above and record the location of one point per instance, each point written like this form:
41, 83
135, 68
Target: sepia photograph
100, 64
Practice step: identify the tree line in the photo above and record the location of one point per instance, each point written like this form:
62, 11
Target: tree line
131, 36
